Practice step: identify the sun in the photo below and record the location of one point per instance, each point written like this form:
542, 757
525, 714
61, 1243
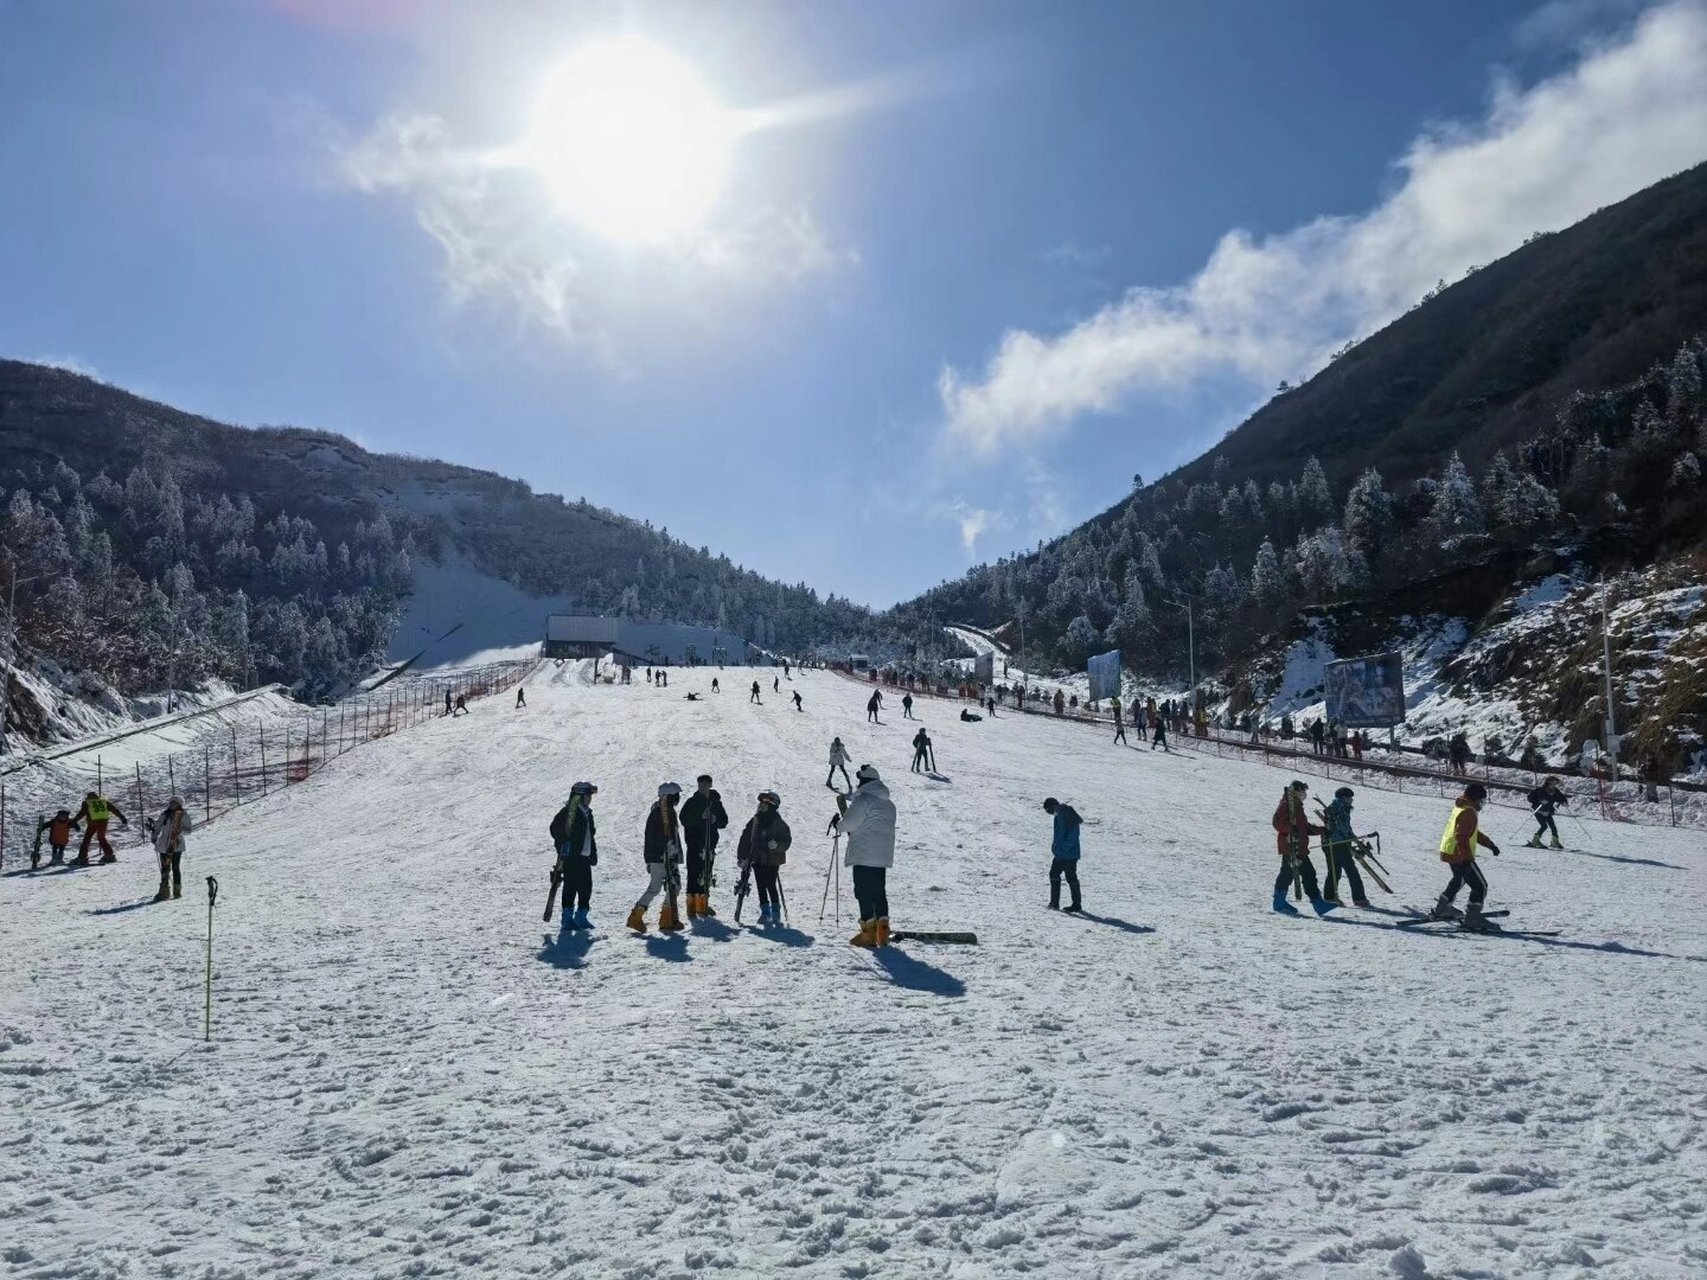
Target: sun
630, 141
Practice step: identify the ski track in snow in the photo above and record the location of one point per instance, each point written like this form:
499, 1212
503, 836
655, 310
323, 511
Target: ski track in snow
411, 1075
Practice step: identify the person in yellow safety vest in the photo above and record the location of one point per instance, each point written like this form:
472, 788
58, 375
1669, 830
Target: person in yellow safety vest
1458, 850
96, 812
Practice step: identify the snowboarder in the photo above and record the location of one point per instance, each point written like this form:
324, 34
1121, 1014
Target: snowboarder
798, 704
906, 706
1544, 800
968, 718
754, 696
1064, 853
1458, 850
94, 815
924, 759
461, 706
1337, 845
703, 816
1293, 829
168, 832
714, 685
838, 760
764, 847
663, 852
58, 829
521, 697
575, 835
867, 819
872, 706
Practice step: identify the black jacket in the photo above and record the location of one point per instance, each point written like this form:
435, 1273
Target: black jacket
657, 848
702, 818
755, 843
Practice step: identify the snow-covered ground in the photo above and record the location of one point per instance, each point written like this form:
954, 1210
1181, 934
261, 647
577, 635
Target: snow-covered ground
410, 1075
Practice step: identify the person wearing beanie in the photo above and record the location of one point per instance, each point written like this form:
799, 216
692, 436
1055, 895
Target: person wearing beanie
763, 847
663, 852
1293, 830
575, 836
1337, 845
168, 832
867, 819
1458, 850
1064, 853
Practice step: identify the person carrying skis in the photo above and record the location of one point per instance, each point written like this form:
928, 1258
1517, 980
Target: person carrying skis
867, 819
1337, 845
575, 836
1293, 829
1458, 850
798, 705
703, 816
168, 832
922, 761
663, 852
906, 706
1063, 853
58, 829
754, 695
764, 848
838, 760
1543, 801
872, 706
94, 815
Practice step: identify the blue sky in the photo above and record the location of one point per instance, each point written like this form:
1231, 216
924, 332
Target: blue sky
977, 264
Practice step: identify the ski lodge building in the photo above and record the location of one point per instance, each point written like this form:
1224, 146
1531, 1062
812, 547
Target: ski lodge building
642, 644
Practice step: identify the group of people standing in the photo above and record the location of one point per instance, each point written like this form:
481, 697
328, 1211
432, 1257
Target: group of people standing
166, 833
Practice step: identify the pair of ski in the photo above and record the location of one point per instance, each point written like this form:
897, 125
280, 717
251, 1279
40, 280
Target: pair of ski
1417, 921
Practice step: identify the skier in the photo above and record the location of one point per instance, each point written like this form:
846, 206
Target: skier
990, 706
798, 705
872, 706
1458, 850
1543, 801
1337, 845
663, 679
776, 684
838, 760
703, 816
906, 706
867, 819
58, 829
714, 685
754, 696
1064, 853
575, 835
461, 706
648, 675
521, 697
168, 832
1119, 724
94, 815
663, 852
924, 755
764, 847
1293, 830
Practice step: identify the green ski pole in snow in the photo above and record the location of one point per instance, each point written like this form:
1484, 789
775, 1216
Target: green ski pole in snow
207, 1007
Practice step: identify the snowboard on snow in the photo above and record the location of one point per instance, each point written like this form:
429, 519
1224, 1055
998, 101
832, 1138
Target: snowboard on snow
926, 935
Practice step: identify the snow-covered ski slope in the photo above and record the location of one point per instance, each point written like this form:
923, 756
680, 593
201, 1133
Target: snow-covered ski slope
410, 1075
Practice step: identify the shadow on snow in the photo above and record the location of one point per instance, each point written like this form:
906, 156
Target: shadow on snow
915, 975
565, 950
120, 909
1114, 922
788, 935
1517, 935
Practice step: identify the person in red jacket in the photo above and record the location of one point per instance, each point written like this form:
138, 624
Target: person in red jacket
1458, 850
1292, 832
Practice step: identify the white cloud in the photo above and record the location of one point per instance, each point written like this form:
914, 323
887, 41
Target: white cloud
502, 242
1628, 113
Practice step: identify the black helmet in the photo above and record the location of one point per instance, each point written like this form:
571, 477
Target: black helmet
1476, 791
1051, 804
582, 789
1344, 793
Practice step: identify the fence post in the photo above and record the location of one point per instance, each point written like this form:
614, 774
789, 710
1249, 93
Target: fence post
100, 779
140, 807
340, 728
207, 784
171, 777
263, 735
236, 778
2, 819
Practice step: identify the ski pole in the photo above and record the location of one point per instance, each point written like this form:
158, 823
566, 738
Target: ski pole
207, 1003
835, 847
783, 899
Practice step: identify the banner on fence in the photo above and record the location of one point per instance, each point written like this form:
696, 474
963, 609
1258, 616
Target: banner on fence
984, 669
1104, 672
1366, 692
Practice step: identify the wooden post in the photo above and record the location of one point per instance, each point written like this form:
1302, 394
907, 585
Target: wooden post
263, 736
207, 784
140, 807
236, 778
171, 777
100, 782
340, 728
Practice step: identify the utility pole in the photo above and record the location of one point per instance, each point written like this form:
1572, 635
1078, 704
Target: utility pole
1606, 671
11, 648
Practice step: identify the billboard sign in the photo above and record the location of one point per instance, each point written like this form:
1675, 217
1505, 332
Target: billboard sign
1366, 692
984, 668
1104, 673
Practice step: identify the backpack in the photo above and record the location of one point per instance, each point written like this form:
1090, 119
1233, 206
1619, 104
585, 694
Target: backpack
560, 827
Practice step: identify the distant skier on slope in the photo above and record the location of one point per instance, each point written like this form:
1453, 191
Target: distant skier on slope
521, 697
447, 702
1119, 724
924, 759
461, 706
574, 834
1543, 801
1160, 738
1337, 845
873, 704
798, 705
776, 684
1293, 830
754, 695
703, 816
764, 848
663, 852
93, 816
1458, 850
167, 833
58, 830
867, 819
838, 760
1063, 853
906, 706
715, 687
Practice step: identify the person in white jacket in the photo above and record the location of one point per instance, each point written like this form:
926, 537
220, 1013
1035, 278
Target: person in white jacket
838, 760
867, 819
169, 830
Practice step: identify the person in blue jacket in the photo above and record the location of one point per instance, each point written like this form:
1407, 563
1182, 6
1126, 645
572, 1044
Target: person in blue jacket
1064, 850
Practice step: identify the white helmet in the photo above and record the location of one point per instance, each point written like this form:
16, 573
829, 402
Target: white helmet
669, 789
867, 773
